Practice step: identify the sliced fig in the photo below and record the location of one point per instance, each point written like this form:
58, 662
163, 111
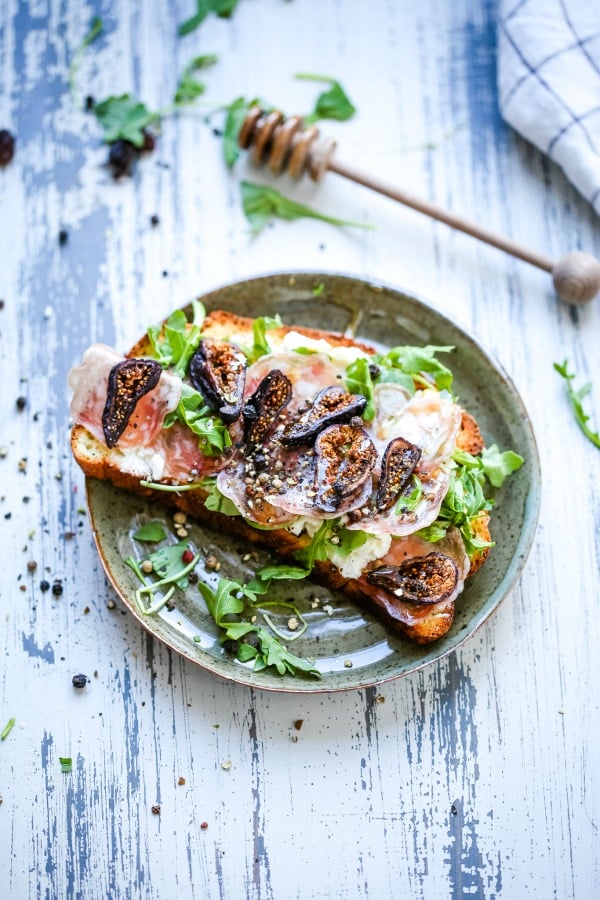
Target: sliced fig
128, 381
218, 370
262, 408
422, 579
332, 406
346, 456
398, 464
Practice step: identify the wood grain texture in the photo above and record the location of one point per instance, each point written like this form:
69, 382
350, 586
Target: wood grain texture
476, 777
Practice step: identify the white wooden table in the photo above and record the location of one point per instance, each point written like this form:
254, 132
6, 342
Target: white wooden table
475, 777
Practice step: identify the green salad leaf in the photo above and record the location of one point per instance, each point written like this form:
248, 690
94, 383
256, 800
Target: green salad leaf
466, 499
330, 538
66, 764
173, 343
262, 202
222, 8
331, 104
189, 88
260, 346
150, 532
576, 398
216, 501
193, 411
250, 641
124, 118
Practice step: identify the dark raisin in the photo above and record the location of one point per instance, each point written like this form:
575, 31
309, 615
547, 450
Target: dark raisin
44, 585
21, 403
149, 142
63, 237
79, 681
7, 147
121, 157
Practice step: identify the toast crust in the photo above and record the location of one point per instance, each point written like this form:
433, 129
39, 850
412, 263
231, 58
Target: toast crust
422, 624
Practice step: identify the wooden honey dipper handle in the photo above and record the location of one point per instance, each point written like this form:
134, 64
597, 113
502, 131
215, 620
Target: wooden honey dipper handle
285, 144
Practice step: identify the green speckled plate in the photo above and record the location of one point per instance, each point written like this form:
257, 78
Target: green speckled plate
351, 649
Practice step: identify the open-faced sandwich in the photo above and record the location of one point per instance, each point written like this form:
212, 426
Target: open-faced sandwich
359, 468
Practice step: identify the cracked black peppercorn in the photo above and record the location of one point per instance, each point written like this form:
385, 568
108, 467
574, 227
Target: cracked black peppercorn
79, 681
44, 585
63, 237
21, 403
57, 588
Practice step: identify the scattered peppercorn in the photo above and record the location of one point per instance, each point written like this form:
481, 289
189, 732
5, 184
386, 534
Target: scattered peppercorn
111, 604
217, 132
63, 237
44, 585
7, 147
154, 220
21, 403
57, 588
86, 610
156, 809
31, 565
298, 724
89, 103
79, 681
204, 825
181, 781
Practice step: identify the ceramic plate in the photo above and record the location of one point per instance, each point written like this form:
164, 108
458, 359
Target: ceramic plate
351, 649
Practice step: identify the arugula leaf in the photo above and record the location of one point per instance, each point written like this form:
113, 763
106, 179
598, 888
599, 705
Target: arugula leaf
408, 502
188, 88
415, 361
466, 500
261, 202
236, 113
217, 501
402, 365
281, 572
497, 466
66, 764
124, 118
222, 8
225, 604
199, 418
167, 564
152, 532
358, 380
173, 343
576, 399
261, 346
95, 29
330, 538
331, 104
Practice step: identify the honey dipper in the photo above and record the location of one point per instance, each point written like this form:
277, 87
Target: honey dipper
285, 144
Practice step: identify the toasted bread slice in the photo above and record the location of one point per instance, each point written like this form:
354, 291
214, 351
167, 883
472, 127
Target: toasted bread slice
421, 623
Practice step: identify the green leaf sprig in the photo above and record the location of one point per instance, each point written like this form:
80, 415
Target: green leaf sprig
227, 606
171, 569
260, 345
174, 342
193, 411
262, 202
331, 104
466, 499
411, 367
330, 538
151, 533
236, 113
125, 118
66, 764
222, 8
576, 398
189, 88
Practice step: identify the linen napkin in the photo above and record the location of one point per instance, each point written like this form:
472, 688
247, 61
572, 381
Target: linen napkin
549, 82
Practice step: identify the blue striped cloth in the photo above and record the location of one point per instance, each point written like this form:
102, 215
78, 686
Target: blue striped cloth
549, 82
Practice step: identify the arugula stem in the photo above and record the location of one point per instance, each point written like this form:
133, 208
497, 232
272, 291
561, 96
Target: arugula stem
150, 588
160, 603
309, 76
157, 486
132, 563
281, 634
7, 729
